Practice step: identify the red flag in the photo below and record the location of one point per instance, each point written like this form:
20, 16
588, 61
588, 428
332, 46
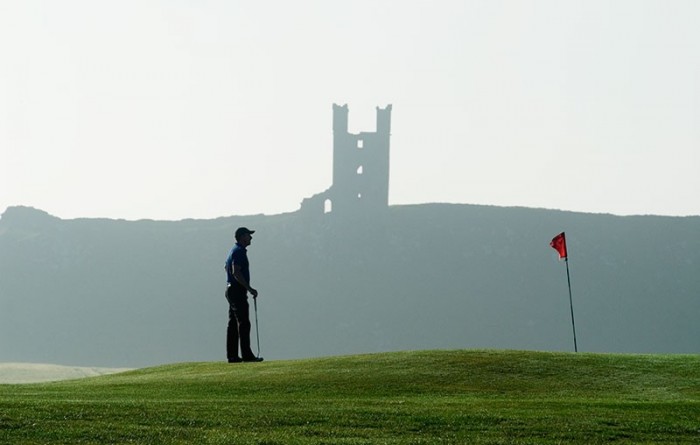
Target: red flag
559, 244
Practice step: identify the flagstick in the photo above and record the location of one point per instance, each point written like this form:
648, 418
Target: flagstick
571, 303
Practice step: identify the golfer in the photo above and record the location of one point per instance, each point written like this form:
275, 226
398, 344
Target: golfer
237, 289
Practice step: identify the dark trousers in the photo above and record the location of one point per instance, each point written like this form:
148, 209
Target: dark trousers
238, 323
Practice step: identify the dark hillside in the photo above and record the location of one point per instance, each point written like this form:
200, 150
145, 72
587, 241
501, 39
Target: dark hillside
125, 293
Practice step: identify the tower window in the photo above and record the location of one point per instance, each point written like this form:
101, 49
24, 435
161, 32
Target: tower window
359, 170
360, 143
328, 206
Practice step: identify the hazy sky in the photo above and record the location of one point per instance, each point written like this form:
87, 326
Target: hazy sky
171, 109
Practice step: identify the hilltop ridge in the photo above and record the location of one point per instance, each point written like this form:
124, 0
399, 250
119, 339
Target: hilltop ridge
114, 293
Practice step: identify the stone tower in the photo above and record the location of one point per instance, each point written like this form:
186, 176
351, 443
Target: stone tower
360, 167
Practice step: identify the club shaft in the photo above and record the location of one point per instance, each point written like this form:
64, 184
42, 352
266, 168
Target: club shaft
257, 330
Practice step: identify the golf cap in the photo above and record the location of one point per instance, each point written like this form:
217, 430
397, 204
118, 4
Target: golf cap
243, 231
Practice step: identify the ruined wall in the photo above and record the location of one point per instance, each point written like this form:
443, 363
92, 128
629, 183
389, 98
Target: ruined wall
360, 167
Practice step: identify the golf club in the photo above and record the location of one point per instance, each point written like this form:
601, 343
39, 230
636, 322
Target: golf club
257, 331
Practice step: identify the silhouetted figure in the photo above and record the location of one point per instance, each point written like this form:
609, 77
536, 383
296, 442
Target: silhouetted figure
238, 278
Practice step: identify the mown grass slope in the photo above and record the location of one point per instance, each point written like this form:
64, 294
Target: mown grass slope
397, 398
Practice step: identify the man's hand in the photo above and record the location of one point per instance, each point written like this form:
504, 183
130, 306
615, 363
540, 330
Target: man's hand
253, 292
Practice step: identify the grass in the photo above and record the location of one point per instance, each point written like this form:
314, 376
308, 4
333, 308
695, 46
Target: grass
480, 397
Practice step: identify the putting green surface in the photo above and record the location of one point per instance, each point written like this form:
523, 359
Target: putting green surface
490, 397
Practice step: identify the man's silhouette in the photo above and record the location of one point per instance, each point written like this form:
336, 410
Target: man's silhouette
238, 278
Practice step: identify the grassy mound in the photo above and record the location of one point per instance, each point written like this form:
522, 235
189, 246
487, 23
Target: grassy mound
397, 398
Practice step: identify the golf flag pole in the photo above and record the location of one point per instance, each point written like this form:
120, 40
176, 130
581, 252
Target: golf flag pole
559, 244
571, 303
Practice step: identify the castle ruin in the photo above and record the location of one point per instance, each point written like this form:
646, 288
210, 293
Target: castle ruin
360, 168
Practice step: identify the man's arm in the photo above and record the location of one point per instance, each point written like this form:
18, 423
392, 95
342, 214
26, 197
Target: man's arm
241, 280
